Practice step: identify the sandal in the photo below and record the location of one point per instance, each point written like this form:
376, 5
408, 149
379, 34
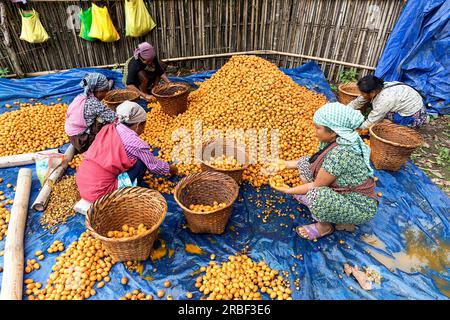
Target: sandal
312, 232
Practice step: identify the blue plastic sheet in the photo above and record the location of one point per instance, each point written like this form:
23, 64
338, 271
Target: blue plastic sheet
417, 52
410, 205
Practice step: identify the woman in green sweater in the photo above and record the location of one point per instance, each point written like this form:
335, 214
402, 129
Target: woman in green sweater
338, 188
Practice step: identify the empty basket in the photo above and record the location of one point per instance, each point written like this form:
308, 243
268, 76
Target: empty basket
172, 97
205, 188
392, 145
131, 206
348, 92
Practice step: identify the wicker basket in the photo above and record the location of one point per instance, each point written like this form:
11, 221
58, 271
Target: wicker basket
209, 150
347, 92
131, 206
172, 97
205, 188
392, 144
115, 97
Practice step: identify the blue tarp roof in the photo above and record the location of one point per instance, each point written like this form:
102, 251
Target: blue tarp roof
417, 52
413, 218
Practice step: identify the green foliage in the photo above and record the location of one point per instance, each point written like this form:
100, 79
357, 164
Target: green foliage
443, 159
347, 76
333, 87
4, 72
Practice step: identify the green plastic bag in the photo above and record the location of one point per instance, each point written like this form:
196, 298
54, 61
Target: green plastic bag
86, 22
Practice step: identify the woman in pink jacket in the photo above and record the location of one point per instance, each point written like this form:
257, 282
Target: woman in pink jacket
118, 157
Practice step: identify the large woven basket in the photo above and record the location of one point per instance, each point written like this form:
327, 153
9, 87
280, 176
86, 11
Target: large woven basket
392, 145
115, 97
205, 188
131, 206
348, 92
218, 147
172, 97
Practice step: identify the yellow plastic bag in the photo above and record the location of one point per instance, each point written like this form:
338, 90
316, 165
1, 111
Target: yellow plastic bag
32, 29
138, 21
102, 27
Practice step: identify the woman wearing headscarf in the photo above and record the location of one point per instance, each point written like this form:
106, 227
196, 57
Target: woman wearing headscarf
338, 188
394, 101
144, 70
87, 114
118, 157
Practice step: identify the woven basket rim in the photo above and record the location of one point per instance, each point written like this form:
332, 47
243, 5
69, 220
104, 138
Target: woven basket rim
342, 87
117, 91
142, 235
245, 166
182, 183
396, 144
168, 85
225, 170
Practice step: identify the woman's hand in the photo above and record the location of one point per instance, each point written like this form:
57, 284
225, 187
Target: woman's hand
150, 98
281, 189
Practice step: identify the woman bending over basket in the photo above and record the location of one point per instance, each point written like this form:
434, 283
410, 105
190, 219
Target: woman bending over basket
87, 114
394, 101
338, 188
144, 70
118, 157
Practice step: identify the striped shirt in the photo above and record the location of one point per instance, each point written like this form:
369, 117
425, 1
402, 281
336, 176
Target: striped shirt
136, 148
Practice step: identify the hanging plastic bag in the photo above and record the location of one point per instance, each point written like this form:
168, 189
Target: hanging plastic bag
32, 29
86, 22
46, 163
138, 21
102, 27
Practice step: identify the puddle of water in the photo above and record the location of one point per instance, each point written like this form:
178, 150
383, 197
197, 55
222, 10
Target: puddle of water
192, 248
420, 253
443, 285
374, 241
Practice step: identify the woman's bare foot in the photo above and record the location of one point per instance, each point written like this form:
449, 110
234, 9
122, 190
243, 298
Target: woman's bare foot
360, 276
362, 279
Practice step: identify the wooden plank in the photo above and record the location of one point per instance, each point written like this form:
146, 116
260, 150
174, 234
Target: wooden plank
12, 279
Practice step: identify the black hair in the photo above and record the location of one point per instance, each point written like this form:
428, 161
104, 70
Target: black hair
370, 83
328, 129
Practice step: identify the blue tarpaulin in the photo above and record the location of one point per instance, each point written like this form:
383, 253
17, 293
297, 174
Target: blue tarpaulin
406, 242
417, 52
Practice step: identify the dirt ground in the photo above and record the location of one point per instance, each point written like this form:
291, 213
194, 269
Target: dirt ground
434, 156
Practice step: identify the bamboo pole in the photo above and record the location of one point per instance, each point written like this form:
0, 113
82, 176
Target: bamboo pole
22, 159
41, 201
228, 54
12, 281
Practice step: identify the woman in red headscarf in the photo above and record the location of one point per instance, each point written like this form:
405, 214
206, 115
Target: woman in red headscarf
144, 70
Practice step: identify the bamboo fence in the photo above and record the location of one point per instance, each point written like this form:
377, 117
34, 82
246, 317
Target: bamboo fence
287, 32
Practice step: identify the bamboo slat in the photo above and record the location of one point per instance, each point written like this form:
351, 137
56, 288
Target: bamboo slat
333, 30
